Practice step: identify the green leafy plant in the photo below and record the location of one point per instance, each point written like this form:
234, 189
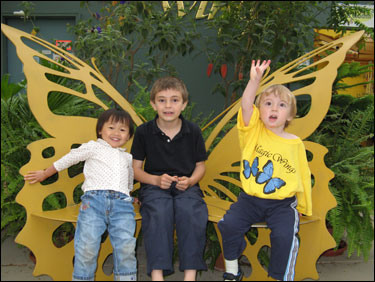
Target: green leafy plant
348, 131
18, 129
134, 40
277, 30
349, 70
246, 30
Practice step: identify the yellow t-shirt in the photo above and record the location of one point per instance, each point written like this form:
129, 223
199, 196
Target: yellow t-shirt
273, 167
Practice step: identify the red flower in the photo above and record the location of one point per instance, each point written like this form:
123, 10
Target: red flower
209, 69
223, 70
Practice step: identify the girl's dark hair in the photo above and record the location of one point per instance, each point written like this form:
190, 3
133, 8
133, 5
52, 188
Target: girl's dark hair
116, 115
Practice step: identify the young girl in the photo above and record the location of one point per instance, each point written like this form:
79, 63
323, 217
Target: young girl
106, 203
275, 178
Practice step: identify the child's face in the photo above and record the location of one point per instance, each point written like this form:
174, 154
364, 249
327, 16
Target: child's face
274, 111
168, 104
115, 134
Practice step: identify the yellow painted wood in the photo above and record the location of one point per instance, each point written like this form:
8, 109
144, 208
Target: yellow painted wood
224, 157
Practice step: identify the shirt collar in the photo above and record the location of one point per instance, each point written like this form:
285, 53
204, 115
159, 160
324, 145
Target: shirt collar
184, 126
104, 143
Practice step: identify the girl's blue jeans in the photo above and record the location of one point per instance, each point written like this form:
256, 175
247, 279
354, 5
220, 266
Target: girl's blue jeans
101, 210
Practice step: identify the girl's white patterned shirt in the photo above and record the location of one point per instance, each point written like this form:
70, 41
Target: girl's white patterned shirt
105, 168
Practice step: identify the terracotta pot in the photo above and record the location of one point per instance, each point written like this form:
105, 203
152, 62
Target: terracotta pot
219, 264
32, 257
332, 252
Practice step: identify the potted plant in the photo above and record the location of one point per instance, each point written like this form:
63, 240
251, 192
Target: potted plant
347, 131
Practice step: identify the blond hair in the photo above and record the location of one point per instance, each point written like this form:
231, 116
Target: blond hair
284, 93
166, 83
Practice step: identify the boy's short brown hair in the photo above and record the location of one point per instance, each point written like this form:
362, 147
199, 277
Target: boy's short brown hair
282, 92
166, 83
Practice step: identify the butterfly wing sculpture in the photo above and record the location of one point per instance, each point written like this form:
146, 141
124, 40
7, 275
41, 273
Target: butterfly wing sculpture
222, 166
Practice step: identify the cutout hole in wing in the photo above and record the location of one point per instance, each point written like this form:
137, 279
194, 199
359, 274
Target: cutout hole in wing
312, 181
267, 80
236, 164
303, 105
61, 103
252, 235
305, 68
102, 95
54, 201
309, 156
218, 193
94, 76
56, 58
51, 179
328, 50
55, 50
77, 194
76, 169
229, 185
50, 64
74, 84
63, 235
245, 266
224, 130
299, 85
104, 236
108, 265
264, 255
48, 152
234, 175
308, 70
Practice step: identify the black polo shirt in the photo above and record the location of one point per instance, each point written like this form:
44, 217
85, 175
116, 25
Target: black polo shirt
163, 155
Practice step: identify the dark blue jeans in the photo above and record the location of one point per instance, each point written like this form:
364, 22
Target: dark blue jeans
161, 210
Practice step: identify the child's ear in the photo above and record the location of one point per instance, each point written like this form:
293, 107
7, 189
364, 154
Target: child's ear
290, 118
153, 105
184, 105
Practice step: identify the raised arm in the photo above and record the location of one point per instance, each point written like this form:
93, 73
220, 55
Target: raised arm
248, 97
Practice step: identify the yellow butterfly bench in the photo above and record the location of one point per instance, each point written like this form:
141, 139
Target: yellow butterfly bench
314, 237
321, 68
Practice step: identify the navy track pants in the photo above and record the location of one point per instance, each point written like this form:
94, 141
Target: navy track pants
281, 217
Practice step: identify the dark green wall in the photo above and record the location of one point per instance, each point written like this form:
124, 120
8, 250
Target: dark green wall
52, 16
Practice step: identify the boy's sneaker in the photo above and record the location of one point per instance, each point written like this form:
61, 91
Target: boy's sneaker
231, 277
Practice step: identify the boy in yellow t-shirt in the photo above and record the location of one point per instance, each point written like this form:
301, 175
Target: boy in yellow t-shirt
275, 178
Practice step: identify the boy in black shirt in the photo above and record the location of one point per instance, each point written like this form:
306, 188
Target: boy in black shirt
174, 154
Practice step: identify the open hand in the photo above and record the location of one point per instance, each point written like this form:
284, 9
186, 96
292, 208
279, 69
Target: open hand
35, 176
257, 69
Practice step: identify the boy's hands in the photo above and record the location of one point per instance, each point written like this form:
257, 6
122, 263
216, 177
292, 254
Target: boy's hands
166, 180
182, 183
35, 176
257, 69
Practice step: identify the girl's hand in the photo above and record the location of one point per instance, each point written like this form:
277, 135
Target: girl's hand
257, 69
35, 176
